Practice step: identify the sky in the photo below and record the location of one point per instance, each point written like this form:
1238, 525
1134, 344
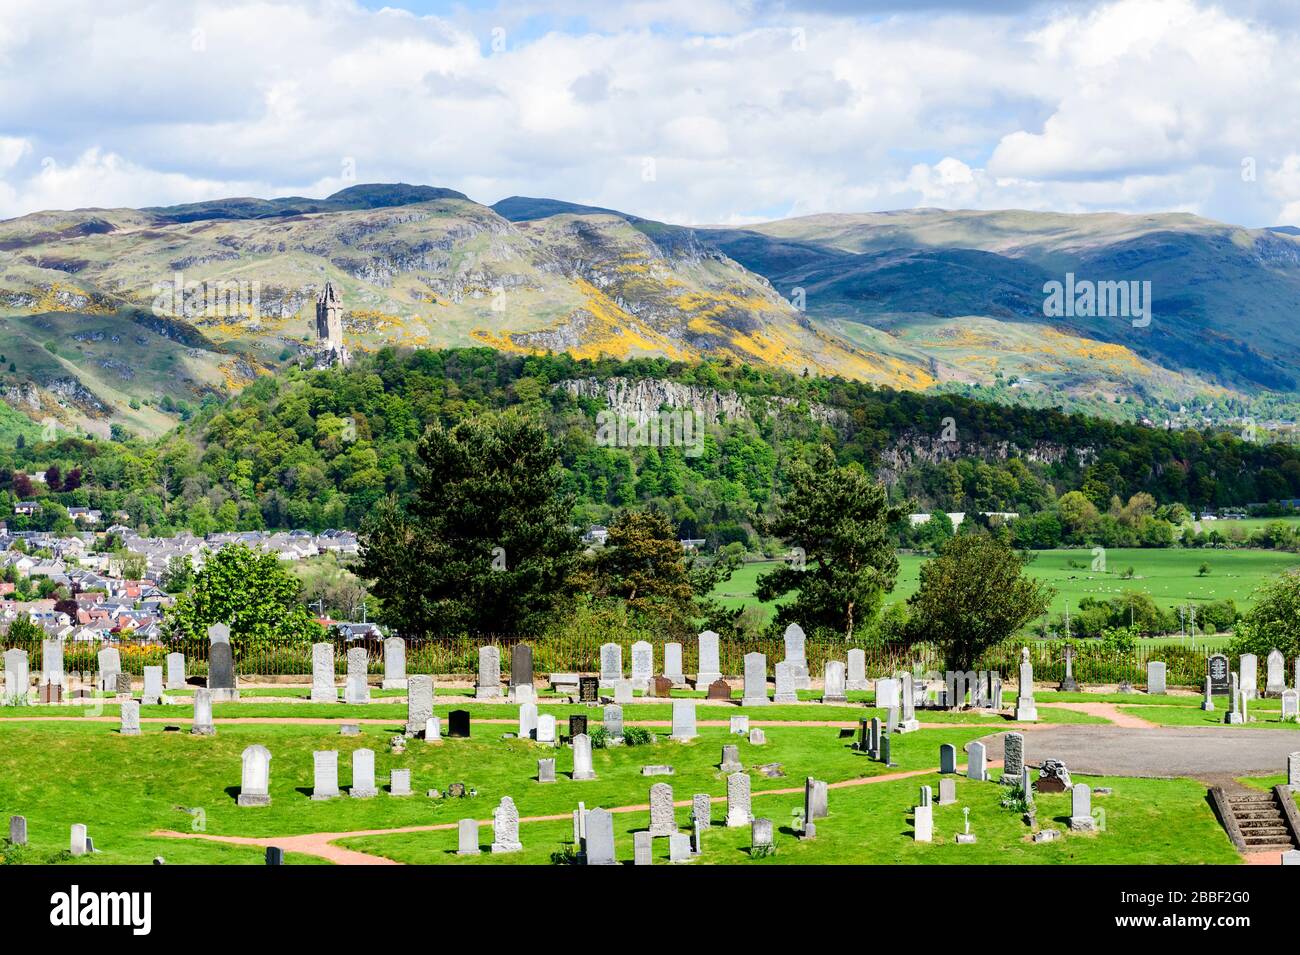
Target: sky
687, 111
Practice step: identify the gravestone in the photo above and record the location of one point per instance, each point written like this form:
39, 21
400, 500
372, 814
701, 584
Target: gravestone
1068, 683
907, 721
642, 848
175, 671
739, 725
129, 717
643, 665
255, 778
947, 758
794, 655
545, 728
394, 665
702, 809
489, 674
546, 770
110, 665
521, 667
785, 691
221, 665
673, 664
505, 827
663, 821
1293, 772
325, 774
611, 664
1290, 706
1013, 757
755, 680
577, 724
760, 834
816, 800
1025, 707
661, 686
458, 724
527, 721
1207, 703
927, 794
78, 843
659, 769
588, 689
731, 759
622, 691
947, 791
834, 688
1081, 808
976, 762
679, 847
613, 721
1217, 669
600, 838
719, 689
322, 674
1155, 677
887, 694
1248, 683
582, 758
757, 737
708, 669
18, 830
52, 673
419, 702
356, 689
399, 782
153, 686
857, 678
738, 801
433, 730
202, 724
17, 677
684, 720
363, 774
1275, 673
923, 824
467, 837
123, 684
565, 683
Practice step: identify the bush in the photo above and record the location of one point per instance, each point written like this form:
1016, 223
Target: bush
637, 736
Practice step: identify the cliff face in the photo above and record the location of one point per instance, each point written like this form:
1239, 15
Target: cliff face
914, 448
640, 399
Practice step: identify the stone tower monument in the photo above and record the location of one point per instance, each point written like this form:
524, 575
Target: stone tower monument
329, 328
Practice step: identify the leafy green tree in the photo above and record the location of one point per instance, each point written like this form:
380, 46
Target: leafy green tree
179, 576
839, 520
485, 544
252, 593
642, 564
1274, 620
23, 630
973, 596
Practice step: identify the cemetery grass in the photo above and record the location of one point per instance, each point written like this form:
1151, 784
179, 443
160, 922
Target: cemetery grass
126, 787
660, 712
1147, 821
1262, 716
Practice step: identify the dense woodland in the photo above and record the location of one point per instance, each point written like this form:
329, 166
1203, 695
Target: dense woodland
317, 449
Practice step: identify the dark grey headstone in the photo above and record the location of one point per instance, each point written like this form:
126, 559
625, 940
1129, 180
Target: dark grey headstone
577, 724
221, 667
588, 689
274, 855
458, 724
521, 665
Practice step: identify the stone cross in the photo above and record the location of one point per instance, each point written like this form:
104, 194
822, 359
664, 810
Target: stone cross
322, 674
1026, 709
505, 827
394, 664
707, 670
255, 778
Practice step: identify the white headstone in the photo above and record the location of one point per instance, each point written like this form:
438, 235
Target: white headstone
887, 696
1155, 677
755, 681
976, 762
834, 683
643, 665
738, 801
1275, 673
582, 757
923, 825
527, 720
489, 673
794, 655
325, 774
611, 664
1249, 675
857, 678
785, 689
684, 720
708, 670
175, 671
17, 678
505, 827
52, 673
546, 728
467, 837
255, 781
1081, 808
394, 664
363, 774
323, 689
153, 686
673, 664
202, 725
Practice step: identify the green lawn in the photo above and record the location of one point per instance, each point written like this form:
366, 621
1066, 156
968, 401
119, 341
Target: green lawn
1169, 575
1262, 715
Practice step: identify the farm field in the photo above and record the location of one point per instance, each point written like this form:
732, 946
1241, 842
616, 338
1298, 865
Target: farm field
1170, 576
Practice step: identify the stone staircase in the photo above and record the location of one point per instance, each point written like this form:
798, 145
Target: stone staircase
1256, 821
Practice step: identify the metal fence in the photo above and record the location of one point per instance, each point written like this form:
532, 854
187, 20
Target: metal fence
580, 652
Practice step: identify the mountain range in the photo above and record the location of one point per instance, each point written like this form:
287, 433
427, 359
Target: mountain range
92, 332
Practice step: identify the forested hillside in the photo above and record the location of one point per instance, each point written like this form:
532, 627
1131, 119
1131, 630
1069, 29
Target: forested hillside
315, 449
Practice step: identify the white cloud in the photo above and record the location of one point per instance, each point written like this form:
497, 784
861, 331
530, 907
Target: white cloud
1130, 105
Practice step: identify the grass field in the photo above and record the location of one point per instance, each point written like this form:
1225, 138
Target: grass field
1170, 576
